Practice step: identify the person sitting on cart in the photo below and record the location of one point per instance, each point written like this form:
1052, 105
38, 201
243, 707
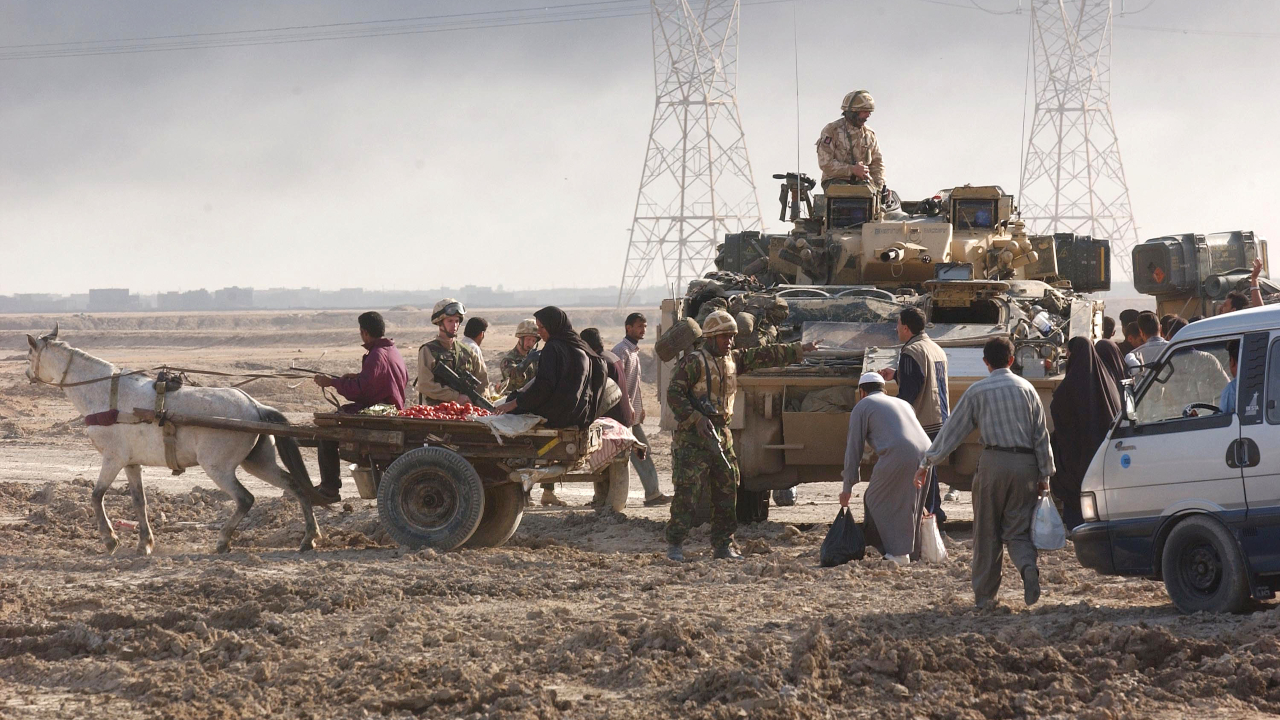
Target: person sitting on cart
569, 386
382, 380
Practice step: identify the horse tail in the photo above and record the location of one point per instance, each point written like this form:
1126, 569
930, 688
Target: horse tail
287, 448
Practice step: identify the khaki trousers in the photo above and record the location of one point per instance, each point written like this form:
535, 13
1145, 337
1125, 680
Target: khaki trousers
1004, 502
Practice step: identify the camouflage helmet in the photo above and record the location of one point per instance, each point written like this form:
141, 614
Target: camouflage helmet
527, 327
858, 101
445, 308
719, 323
746, 322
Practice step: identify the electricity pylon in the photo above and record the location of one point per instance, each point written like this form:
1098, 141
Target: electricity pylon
1072, 177
696, 184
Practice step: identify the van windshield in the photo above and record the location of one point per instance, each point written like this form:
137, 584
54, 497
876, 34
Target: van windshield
1192, 374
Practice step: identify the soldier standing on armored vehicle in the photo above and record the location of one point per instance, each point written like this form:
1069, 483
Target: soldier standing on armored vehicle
700, 396
847, 149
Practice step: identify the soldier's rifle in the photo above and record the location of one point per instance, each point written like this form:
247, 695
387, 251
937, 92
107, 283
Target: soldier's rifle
716, 443
463, 382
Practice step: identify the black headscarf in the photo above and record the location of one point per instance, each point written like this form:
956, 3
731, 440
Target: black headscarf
1112, 359
1083, 408
559, 328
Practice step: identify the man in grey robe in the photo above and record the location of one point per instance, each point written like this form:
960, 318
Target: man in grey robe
892, 500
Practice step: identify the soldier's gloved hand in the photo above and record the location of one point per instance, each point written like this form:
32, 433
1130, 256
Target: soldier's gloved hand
706, 429
809, 347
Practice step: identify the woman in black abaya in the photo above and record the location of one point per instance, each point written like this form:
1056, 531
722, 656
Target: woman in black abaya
1083, 408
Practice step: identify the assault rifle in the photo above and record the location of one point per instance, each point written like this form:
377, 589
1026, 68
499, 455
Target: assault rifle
463, 382
715, 443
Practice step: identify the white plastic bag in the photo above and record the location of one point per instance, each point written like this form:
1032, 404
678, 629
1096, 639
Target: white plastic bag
931, 548
1047, 532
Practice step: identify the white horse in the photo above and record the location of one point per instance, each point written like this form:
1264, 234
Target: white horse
128, 444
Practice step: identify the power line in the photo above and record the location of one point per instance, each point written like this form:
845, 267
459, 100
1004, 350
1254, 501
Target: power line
285, 35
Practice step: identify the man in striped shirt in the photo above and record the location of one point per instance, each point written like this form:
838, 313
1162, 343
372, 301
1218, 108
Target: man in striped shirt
628, 351
1014, 469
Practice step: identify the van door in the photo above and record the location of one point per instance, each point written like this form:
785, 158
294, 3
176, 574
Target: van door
1176, 455
1258, 409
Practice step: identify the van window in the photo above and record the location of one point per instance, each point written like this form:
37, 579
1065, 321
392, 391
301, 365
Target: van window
1192, 374
1273, 384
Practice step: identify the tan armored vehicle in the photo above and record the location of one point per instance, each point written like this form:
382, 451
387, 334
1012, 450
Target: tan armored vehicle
1190, 274
841, 277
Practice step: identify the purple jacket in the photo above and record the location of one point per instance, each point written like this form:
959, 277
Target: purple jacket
382, 378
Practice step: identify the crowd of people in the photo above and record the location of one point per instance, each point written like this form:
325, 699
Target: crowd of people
572, 380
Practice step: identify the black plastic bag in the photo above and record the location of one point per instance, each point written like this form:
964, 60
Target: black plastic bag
844, 542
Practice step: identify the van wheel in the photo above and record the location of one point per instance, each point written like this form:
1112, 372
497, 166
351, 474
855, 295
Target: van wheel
1203, 570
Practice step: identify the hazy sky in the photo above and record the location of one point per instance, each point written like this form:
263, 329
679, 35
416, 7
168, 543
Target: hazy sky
512, 155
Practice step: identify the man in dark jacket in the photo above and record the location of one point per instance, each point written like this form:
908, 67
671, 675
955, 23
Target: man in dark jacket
382, 380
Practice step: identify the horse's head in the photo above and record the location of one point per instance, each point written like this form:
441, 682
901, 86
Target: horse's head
36, 356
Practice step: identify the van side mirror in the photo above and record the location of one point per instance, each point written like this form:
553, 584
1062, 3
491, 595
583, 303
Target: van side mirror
1130, 405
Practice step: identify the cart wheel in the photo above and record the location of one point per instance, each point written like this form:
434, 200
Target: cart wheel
619, 485
503, 510
430, 498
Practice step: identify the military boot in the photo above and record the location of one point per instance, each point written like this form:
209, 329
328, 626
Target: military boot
675, 552
728, 552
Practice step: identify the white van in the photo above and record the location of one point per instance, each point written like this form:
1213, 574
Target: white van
1182, 490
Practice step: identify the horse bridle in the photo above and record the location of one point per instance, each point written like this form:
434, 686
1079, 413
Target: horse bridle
62, 381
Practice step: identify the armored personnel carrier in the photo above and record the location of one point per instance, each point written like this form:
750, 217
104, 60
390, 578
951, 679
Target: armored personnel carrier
841, 277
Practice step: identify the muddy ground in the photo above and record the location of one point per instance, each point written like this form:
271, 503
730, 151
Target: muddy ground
579, 616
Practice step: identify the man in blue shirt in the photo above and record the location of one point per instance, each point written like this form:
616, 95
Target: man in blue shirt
1227, 403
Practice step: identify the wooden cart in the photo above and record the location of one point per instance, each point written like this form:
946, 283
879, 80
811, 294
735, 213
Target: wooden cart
444, 484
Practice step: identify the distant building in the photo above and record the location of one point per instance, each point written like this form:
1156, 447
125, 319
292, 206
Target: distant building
233, 298
109, 299
190, 300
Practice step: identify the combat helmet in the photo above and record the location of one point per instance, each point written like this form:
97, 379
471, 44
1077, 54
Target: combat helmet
445, 308
858, 101
526, 328
719, 323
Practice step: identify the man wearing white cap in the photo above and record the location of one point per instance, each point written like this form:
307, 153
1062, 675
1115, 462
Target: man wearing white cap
892, 500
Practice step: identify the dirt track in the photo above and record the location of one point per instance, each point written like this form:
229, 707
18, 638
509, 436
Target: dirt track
580, 616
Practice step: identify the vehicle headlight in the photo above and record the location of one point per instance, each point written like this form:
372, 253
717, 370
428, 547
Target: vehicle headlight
1088, 507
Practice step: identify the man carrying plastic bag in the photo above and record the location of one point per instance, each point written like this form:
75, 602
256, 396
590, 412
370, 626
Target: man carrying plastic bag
890, 427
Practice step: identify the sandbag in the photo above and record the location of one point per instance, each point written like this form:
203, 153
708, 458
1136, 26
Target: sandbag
932, 549
676, 340
844, 542
1047, 532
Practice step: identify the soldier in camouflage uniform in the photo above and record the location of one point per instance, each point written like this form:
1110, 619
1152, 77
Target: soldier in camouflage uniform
700, 395
514, 376
847, 149
447, 315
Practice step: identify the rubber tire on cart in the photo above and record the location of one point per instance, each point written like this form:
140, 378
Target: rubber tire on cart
753, 507
430, 497
619, 485
1203, 569
503, 510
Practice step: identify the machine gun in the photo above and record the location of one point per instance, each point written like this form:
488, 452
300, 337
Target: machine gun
716, 443
529, 359
463, 382
795, 190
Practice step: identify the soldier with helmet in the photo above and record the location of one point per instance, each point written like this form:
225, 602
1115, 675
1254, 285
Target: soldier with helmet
700, 396
447, 315
847, 149
520, 363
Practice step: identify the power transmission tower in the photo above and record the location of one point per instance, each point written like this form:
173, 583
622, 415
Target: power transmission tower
697, 183
1072, 177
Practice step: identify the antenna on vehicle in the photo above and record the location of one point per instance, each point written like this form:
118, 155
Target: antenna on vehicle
795, 45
